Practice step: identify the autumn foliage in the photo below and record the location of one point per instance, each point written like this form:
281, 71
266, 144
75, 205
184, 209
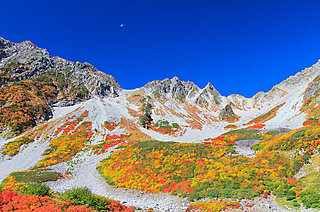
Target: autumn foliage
256, 126
20, 180
230, 126
267, 116
110, 125
73, 138
110, 141
12, 148
26, 102
12, 201
214, 205
210, 169
311, 122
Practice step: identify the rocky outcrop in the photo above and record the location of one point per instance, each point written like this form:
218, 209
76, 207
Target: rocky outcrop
43, 82
209, 94
239, 101
313, 88
301, 78
227, 114
188, 91
34, 61
172, 88
258, 96
181, 90
4, 47
297, 81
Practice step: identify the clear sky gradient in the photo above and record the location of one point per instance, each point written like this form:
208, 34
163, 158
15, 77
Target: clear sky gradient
239, 46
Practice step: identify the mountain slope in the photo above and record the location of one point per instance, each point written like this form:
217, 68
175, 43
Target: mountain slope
38, 61
68, 116
66, 83
32, 81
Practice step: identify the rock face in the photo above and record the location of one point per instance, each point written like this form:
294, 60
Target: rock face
209, 94
227, 113
181, 90
34, 61
300, 78
238, 100
31, 82
172, 88
296, 82
289, 86
313, 88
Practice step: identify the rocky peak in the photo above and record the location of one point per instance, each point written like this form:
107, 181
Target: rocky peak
301, 78
209, 95
209, 88
175, 79
184, 90
174, 88
5, 45
38, 60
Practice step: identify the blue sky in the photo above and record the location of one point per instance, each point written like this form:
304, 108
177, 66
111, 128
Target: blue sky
239, 46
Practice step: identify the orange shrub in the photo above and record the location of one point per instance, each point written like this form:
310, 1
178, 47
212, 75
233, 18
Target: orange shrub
256, 126
231, 126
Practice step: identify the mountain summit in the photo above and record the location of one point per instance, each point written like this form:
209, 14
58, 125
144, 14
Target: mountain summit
34, 61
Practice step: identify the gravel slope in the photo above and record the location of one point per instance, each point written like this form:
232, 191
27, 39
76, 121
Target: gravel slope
25, 160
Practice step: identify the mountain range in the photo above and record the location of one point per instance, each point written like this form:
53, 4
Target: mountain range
47, 101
